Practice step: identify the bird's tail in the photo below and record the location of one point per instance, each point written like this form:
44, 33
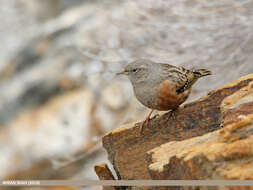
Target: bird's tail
201, 73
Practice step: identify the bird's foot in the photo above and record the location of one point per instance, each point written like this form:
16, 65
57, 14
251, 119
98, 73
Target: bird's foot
156, 116
172, 113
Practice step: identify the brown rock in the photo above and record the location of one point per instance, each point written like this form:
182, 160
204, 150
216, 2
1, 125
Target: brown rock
167, 149
222, 154
104, 173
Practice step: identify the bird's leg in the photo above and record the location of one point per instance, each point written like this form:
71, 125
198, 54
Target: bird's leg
146, 120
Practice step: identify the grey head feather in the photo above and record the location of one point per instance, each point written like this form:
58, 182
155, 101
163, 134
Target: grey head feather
138, 71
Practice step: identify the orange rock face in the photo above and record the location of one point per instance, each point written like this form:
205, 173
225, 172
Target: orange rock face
210, 138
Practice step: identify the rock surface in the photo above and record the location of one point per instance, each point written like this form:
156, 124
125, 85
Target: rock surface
104, 173
210, 138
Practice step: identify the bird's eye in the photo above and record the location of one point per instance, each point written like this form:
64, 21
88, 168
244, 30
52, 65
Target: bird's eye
135, 70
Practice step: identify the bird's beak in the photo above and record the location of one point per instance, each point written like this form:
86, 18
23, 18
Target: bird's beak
122, 73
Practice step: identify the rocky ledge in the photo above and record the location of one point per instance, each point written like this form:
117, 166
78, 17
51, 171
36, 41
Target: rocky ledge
210, 138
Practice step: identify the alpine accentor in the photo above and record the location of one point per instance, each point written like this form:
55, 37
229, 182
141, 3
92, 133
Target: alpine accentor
161, 86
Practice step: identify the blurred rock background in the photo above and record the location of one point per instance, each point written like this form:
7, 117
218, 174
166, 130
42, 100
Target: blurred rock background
58, 90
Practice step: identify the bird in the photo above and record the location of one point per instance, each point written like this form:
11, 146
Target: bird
161, 86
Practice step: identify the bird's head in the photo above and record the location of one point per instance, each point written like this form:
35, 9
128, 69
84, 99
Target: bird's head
137, 71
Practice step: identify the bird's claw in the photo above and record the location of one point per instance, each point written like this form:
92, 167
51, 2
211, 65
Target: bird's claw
155, 116
173, 114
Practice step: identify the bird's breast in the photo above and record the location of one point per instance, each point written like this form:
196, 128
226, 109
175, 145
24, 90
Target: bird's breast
146, 95
161, 96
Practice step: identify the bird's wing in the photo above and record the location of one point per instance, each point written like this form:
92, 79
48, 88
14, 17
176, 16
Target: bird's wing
177, 75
